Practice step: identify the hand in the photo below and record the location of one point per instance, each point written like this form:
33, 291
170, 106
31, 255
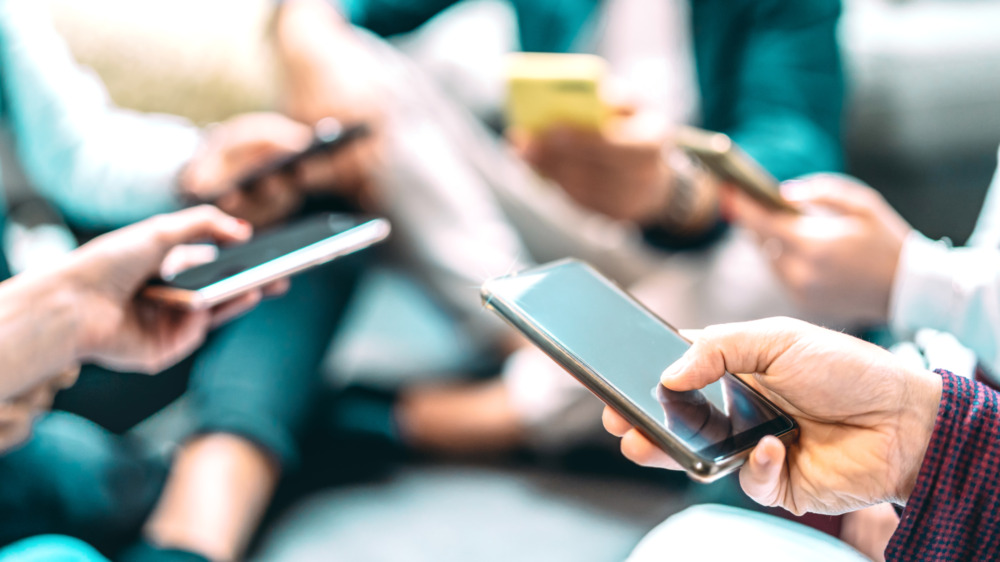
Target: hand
864, 419
18, 414
620, 173
123, 332
233, 149
840, 263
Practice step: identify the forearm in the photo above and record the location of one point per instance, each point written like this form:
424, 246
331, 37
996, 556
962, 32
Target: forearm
951, 513
318, 50
956, 290
39, 330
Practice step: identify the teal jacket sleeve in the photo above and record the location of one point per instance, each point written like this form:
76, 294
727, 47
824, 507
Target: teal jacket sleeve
391, 17
784, 98
102, 166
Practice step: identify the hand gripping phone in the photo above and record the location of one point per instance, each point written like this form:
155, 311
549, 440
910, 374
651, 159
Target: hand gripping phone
724, 158
617, 349
330, 138
268, 257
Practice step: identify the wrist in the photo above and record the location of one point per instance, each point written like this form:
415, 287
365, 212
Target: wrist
691, 205
919, 407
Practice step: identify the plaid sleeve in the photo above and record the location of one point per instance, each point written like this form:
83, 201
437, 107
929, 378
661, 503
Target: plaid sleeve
954, 510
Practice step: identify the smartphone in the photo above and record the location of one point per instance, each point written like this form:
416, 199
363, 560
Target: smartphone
617, 349
330, 137
724, 158
549, 89
268, 257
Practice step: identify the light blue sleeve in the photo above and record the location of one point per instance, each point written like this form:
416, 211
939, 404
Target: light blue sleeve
103, 166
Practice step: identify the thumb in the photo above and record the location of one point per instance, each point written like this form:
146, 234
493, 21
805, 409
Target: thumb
747, 347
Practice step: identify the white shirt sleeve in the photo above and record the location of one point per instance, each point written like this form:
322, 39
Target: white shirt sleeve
102, 166
954, 290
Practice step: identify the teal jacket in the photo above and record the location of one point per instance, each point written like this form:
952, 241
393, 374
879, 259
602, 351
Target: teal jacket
769, 71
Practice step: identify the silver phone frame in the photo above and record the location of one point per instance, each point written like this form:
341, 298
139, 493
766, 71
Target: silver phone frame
340, 244
697, 467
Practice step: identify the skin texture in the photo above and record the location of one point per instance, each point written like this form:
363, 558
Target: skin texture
865, 419
839, 258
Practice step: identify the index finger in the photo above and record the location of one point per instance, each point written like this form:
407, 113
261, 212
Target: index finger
765, 223
191, 225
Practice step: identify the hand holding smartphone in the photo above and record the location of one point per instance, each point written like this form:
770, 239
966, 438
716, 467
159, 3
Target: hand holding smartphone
617, 349
727, 161
269, 256
331, 137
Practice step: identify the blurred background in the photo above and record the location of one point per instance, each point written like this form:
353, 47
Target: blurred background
922, 126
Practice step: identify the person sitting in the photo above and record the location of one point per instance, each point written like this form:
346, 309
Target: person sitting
86, 310
589, 194
105, 167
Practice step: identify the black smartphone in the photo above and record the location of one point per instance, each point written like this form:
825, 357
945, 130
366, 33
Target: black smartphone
269, 256
330, 137
617, 349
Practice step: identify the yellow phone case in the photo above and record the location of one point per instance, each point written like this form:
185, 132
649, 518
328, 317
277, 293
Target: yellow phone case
550, 89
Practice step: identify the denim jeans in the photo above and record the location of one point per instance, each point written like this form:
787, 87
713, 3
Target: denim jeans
255, 378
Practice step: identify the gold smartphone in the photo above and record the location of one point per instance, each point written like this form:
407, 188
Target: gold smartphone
550, 89
724, 158
268, 257
617, 348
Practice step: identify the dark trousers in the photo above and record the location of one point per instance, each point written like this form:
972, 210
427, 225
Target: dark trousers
255, 378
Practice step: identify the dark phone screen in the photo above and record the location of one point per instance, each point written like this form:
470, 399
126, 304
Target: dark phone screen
263, 248
629, 348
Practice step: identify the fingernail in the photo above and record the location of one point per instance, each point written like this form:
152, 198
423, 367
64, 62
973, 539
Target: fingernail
675, 370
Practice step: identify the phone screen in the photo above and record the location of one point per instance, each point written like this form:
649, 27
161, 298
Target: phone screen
263, 248
600, 326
